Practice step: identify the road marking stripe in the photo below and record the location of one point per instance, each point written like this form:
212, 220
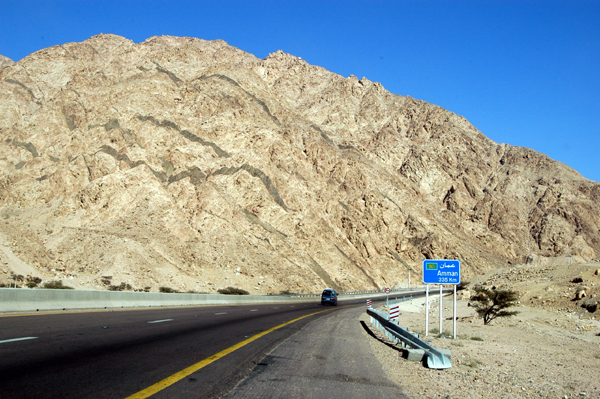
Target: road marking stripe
159, 386
216, 314
17, 339
160, 321
254, 310
72, 311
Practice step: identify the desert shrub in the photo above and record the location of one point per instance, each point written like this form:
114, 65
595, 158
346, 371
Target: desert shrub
233, 291
32, 282
56, 285
167, 290
147, 289
490, 304
106, 280
120, 287
474, 363
476, 339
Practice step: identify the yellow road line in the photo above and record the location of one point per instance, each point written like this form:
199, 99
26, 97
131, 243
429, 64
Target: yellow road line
159, 386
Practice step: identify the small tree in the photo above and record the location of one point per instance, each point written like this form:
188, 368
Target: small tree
490, 304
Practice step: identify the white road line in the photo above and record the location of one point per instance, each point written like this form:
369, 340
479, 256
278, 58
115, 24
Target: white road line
17, 339
160, 321
220, 313
254, 310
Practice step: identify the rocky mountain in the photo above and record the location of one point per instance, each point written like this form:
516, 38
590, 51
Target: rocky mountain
192, 164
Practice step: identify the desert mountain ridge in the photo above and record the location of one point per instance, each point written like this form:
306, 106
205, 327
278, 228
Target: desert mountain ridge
192, 164
5, 62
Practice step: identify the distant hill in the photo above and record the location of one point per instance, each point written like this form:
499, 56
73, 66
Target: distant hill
191, 164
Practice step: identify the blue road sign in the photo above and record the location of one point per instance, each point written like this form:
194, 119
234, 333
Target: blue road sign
441, 271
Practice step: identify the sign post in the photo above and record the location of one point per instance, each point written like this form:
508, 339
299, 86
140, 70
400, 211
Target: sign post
427, 310
441, 307
454, 314
440, 272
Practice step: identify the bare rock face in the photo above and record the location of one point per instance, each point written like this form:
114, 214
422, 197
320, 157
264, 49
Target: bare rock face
5, 62
191, 164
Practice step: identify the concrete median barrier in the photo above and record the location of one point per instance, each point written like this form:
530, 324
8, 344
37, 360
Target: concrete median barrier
31, 300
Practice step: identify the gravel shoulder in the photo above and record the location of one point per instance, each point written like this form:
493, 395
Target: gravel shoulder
535, 354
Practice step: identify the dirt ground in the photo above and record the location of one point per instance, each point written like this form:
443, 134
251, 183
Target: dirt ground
551, 349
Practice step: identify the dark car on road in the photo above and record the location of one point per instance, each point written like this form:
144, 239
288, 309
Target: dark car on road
329, 297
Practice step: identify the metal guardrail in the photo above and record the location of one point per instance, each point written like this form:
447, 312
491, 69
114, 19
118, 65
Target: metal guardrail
435, 358
356, 292
398, 300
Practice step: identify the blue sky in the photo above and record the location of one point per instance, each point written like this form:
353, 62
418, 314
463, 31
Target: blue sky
526, 73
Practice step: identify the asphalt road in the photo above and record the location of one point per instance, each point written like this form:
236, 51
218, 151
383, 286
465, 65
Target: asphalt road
329, 358
118, 354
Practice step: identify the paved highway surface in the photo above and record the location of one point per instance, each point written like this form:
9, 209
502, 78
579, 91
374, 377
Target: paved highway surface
192, 352
329, 358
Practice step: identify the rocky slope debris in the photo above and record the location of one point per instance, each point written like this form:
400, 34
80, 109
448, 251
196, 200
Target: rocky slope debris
567, 289
192, 164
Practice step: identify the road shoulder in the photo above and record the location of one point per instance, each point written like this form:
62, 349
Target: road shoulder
329, 356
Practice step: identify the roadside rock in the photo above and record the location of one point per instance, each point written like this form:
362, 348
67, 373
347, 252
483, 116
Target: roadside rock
590, 304
580, 293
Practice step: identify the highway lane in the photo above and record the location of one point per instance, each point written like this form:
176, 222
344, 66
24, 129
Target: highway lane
112, 354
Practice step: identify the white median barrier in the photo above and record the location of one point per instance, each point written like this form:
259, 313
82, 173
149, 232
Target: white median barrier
38, 299
31, 300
